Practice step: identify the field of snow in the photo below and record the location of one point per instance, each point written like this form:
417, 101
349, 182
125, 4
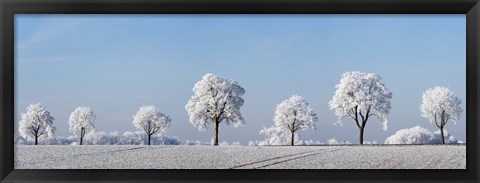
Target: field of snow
240, 157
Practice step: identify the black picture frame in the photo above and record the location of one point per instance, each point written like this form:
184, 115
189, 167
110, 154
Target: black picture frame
9, 8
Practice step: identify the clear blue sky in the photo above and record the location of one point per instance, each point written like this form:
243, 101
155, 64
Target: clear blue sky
117, 63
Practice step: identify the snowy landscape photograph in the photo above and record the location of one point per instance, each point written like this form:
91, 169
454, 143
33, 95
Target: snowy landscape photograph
240, 91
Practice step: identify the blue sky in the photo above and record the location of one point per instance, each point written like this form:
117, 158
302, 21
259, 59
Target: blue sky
117, 63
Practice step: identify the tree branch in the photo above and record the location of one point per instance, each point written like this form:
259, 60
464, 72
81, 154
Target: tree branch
436, 123
356, 116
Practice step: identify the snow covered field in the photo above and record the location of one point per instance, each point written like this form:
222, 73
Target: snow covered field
240, 157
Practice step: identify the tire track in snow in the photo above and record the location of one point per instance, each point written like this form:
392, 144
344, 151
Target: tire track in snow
180, 157
299, 157
282, 159
269, 159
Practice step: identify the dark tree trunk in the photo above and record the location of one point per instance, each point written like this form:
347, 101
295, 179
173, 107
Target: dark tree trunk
35, 133
361, 135
292, 139
82, 134
149, 135
215, 133
443, 138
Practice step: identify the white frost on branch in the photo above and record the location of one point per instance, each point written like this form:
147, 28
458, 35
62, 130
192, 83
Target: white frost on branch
35, 122
360, 96
215, 98
440, 105
295, 114
151, 120
82, 118
291, 115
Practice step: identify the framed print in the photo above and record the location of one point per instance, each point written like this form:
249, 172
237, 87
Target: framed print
186, 91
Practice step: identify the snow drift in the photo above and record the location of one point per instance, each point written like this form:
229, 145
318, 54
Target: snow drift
419, 135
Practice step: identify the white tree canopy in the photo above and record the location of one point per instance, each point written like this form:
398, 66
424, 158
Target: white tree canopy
151, 120
215, 98
361, 95
294, 114
82, 117
35, 122
440, 105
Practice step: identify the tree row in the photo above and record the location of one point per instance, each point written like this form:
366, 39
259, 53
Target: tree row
359, 96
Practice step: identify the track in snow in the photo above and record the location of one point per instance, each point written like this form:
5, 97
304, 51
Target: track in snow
240, 157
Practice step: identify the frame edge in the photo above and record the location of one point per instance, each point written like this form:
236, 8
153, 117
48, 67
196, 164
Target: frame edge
473, 47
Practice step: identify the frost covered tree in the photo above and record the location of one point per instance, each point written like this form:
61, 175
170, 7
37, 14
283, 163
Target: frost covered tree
440, 105
294, 114
361, 96
35, 122
215, 99
82, 120
151, 120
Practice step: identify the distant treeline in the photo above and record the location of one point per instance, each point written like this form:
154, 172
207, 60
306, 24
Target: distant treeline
415, 135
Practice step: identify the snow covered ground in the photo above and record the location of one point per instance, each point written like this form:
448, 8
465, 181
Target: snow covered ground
240, 157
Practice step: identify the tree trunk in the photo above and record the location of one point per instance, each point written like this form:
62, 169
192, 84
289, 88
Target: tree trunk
292, 140
361, 135
82, 134
443, 138
215, 133
35, 133
149, 135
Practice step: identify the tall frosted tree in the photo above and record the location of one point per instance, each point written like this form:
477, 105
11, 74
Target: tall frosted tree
82, 120
361, 96
151, 120
294, 114
36, 122
440, 105
215, 99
